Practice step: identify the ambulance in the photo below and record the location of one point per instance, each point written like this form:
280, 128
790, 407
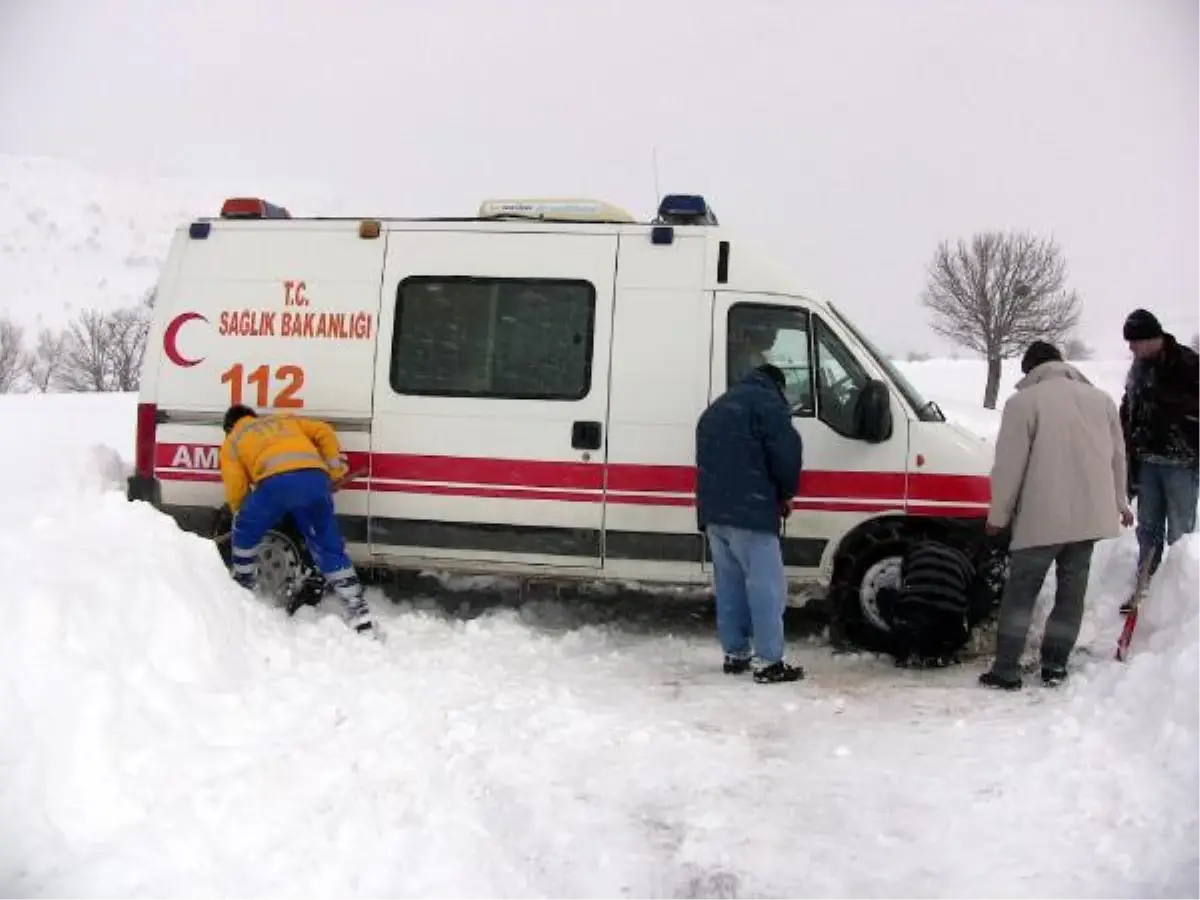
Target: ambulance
519, 392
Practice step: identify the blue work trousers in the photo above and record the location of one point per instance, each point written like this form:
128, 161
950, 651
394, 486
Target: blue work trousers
306, 495
751, 591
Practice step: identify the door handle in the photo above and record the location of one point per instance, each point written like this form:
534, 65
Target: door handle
586, 435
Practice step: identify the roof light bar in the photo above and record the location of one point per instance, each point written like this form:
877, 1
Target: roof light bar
252, 208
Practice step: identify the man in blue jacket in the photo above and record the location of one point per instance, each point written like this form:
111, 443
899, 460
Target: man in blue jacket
748, 459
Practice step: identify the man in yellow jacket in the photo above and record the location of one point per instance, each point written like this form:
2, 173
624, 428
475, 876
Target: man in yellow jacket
290, 462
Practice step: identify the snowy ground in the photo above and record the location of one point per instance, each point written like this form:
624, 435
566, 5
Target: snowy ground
165, 735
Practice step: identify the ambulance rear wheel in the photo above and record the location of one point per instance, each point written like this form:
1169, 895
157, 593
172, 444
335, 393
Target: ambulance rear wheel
286, 574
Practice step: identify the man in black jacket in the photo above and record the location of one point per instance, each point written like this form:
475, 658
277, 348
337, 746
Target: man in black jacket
1159, 419
748, 458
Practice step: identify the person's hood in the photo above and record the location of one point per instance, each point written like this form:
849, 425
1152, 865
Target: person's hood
1049, 371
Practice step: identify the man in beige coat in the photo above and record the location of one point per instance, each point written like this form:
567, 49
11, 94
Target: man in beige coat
1058, 482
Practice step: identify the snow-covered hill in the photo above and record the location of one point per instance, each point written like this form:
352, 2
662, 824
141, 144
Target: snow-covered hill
73, 239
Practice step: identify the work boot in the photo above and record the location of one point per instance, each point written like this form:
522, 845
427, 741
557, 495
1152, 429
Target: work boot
778, 673
1053, 676
359, 618
736, 665
992, 680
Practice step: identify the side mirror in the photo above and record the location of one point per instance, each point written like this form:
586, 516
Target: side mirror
873, 413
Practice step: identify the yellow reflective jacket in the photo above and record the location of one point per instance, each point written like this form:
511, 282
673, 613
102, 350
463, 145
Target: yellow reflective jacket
258, 447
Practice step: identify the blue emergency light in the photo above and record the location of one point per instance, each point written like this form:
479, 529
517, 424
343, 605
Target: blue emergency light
684, 209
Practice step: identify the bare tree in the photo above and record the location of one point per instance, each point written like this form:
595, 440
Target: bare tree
127, 331
85, 357
997, 294
12, 355
1075, 349
917, 356
104, 351
46, 361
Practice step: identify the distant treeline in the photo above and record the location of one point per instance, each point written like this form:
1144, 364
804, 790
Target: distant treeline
96, 351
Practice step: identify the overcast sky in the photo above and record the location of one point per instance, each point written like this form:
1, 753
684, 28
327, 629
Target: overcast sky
848, 137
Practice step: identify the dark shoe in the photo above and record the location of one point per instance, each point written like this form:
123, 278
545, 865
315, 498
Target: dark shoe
359, 618
992, 680
1053, 676
778, 673
736, 665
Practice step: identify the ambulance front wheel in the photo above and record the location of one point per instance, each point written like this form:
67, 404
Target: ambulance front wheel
869, 562
871, 559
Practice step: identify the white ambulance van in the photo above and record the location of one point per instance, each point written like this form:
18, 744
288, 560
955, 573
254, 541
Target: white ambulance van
521, 390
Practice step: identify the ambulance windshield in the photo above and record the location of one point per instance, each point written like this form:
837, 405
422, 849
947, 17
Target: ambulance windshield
926, 410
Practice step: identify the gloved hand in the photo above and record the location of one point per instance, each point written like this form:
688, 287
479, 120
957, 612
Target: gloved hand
222, 520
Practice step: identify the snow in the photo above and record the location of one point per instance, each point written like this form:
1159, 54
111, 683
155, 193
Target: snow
957, 386
164, 733
73, 239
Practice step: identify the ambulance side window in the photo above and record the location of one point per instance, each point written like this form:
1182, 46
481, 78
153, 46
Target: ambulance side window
760, 333
840, 379
512, 338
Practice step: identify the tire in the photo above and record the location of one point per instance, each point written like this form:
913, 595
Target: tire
283, 566
872, 560
287, 576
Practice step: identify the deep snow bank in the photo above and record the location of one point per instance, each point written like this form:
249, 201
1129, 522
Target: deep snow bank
1149, 708
165, 734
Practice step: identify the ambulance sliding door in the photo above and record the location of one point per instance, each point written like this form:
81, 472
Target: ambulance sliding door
659, 389
491, 397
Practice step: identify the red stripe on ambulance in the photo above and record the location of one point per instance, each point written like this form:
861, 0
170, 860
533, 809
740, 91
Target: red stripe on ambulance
627, 483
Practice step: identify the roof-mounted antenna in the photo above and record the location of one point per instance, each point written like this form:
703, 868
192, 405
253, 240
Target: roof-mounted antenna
654, 164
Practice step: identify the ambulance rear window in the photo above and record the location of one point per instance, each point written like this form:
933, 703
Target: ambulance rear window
520, 339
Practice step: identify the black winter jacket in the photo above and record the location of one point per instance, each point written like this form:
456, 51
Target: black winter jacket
1159, 408
748, 457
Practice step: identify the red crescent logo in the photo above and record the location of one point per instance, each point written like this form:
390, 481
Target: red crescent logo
172, 335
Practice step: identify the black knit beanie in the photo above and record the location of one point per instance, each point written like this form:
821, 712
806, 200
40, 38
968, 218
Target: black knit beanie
1039, 352
1141, 326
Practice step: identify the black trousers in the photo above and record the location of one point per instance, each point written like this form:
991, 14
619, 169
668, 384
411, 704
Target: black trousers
1027, 573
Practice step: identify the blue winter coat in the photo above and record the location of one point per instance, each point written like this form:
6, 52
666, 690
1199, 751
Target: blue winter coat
748, 457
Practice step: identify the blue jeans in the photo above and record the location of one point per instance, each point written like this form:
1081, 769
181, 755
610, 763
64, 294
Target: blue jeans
751, 591
1166, 503
305, 494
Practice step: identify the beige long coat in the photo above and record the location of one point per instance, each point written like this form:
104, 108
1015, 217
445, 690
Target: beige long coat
1059, 472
